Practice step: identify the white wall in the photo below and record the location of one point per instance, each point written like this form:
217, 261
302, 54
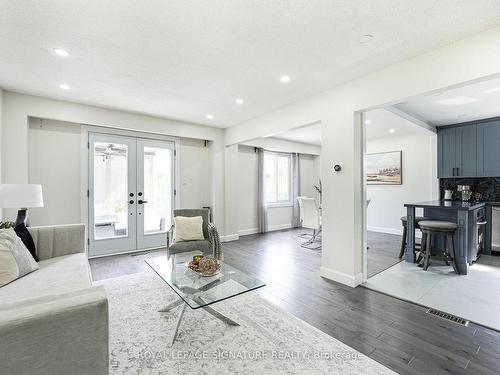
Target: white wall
195, 173
387, 201
278, 217
338, 111
17, 108
55, 162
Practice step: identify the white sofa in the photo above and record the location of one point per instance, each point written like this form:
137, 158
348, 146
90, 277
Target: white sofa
53, 321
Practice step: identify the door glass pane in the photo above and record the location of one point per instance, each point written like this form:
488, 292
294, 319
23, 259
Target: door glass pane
110, 190
283, 185
157, 189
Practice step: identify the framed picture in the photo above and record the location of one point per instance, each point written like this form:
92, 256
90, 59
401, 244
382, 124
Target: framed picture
384, 168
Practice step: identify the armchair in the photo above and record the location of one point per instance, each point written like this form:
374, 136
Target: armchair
210, 245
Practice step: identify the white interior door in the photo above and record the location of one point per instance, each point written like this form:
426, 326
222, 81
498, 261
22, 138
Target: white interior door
131, 193
155, 192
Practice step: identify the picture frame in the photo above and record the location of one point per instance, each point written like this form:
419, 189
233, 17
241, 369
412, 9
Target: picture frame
384, 168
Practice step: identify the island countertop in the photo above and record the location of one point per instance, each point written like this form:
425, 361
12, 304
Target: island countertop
451, 205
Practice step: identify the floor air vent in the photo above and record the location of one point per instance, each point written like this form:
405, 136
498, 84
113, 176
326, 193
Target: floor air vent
450, 317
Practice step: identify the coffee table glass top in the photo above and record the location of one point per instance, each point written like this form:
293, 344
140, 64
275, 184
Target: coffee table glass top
199, 291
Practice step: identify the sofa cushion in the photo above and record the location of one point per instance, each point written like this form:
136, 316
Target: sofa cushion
56, 275
183, 246
15, 259
25, 236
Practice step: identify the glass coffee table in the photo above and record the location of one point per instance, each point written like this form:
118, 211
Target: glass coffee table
197, 291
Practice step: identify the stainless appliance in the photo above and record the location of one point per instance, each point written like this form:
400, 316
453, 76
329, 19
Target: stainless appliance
466, 192
495, 228
479, 233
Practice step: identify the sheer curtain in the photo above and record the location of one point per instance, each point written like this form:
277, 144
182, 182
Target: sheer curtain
295, 190
261, 197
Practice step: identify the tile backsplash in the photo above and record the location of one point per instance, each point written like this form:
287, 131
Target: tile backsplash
489, 187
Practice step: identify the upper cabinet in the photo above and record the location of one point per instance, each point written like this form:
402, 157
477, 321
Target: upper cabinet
457, 151
488, 149
471, 150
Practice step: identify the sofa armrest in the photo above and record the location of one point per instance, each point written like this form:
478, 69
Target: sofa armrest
58, 240
57, 334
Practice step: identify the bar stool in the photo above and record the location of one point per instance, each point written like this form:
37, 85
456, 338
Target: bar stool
431, 228
404, 241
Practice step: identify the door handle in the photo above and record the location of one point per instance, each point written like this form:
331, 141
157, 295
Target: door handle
140, 201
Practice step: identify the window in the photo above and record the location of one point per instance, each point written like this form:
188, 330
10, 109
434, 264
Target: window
277, 178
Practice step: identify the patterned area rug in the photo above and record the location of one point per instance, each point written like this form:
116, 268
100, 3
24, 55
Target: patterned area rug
268, 340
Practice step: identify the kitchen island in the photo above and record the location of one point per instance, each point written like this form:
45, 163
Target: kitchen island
469, 216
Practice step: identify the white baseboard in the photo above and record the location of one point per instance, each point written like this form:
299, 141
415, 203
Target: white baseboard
229, 237
398, 231
246, 232
341, 277
279, 227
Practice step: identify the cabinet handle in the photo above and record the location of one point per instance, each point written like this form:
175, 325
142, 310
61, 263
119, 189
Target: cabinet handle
453, 171
458, 171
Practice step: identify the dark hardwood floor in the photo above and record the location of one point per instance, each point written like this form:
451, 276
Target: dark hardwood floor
383, 251
396, 333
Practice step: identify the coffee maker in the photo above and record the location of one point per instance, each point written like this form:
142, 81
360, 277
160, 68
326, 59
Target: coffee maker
466, 192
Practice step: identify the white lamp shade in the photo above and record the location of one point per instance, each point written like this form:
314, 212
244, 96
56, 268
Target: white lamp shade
21, 195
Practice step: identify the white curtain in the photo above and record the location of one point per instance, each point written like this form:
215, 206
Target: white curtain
295, 190
261, 200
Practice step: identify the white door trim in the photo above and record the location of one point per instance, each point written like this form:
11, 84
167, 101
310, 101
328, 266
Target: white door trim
84, 153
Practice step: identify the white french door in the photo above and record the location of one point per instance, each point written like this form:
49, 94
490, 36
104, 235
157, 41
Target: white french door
131, 193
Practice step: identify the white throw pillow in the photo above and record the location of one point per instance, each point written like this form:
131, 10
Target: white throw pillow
188, 228
15, 259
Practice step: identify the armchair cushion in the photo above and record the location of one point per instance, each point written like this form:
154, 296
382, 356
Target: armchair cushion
184, 246
190, 212
188, 228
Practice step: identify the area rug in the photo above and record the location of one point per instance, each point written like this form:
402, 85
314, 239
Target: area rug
268, 340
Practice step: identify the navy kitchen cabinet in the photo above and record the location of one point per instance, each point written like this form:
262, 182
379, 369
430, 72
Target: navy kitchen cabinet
457, 151
488, 149
446, 152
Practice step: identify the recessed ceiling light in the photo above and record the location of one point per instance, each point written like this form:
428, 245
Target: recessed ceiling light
64, 86
365, 38
392, 130
210, 116
368, 122
459, 100
285, 79
239, 101
61, 52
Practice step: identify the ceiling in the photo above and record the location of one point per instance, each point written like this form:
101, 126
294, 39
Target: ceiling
381, 123
472, 102
310, 134
185, 59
